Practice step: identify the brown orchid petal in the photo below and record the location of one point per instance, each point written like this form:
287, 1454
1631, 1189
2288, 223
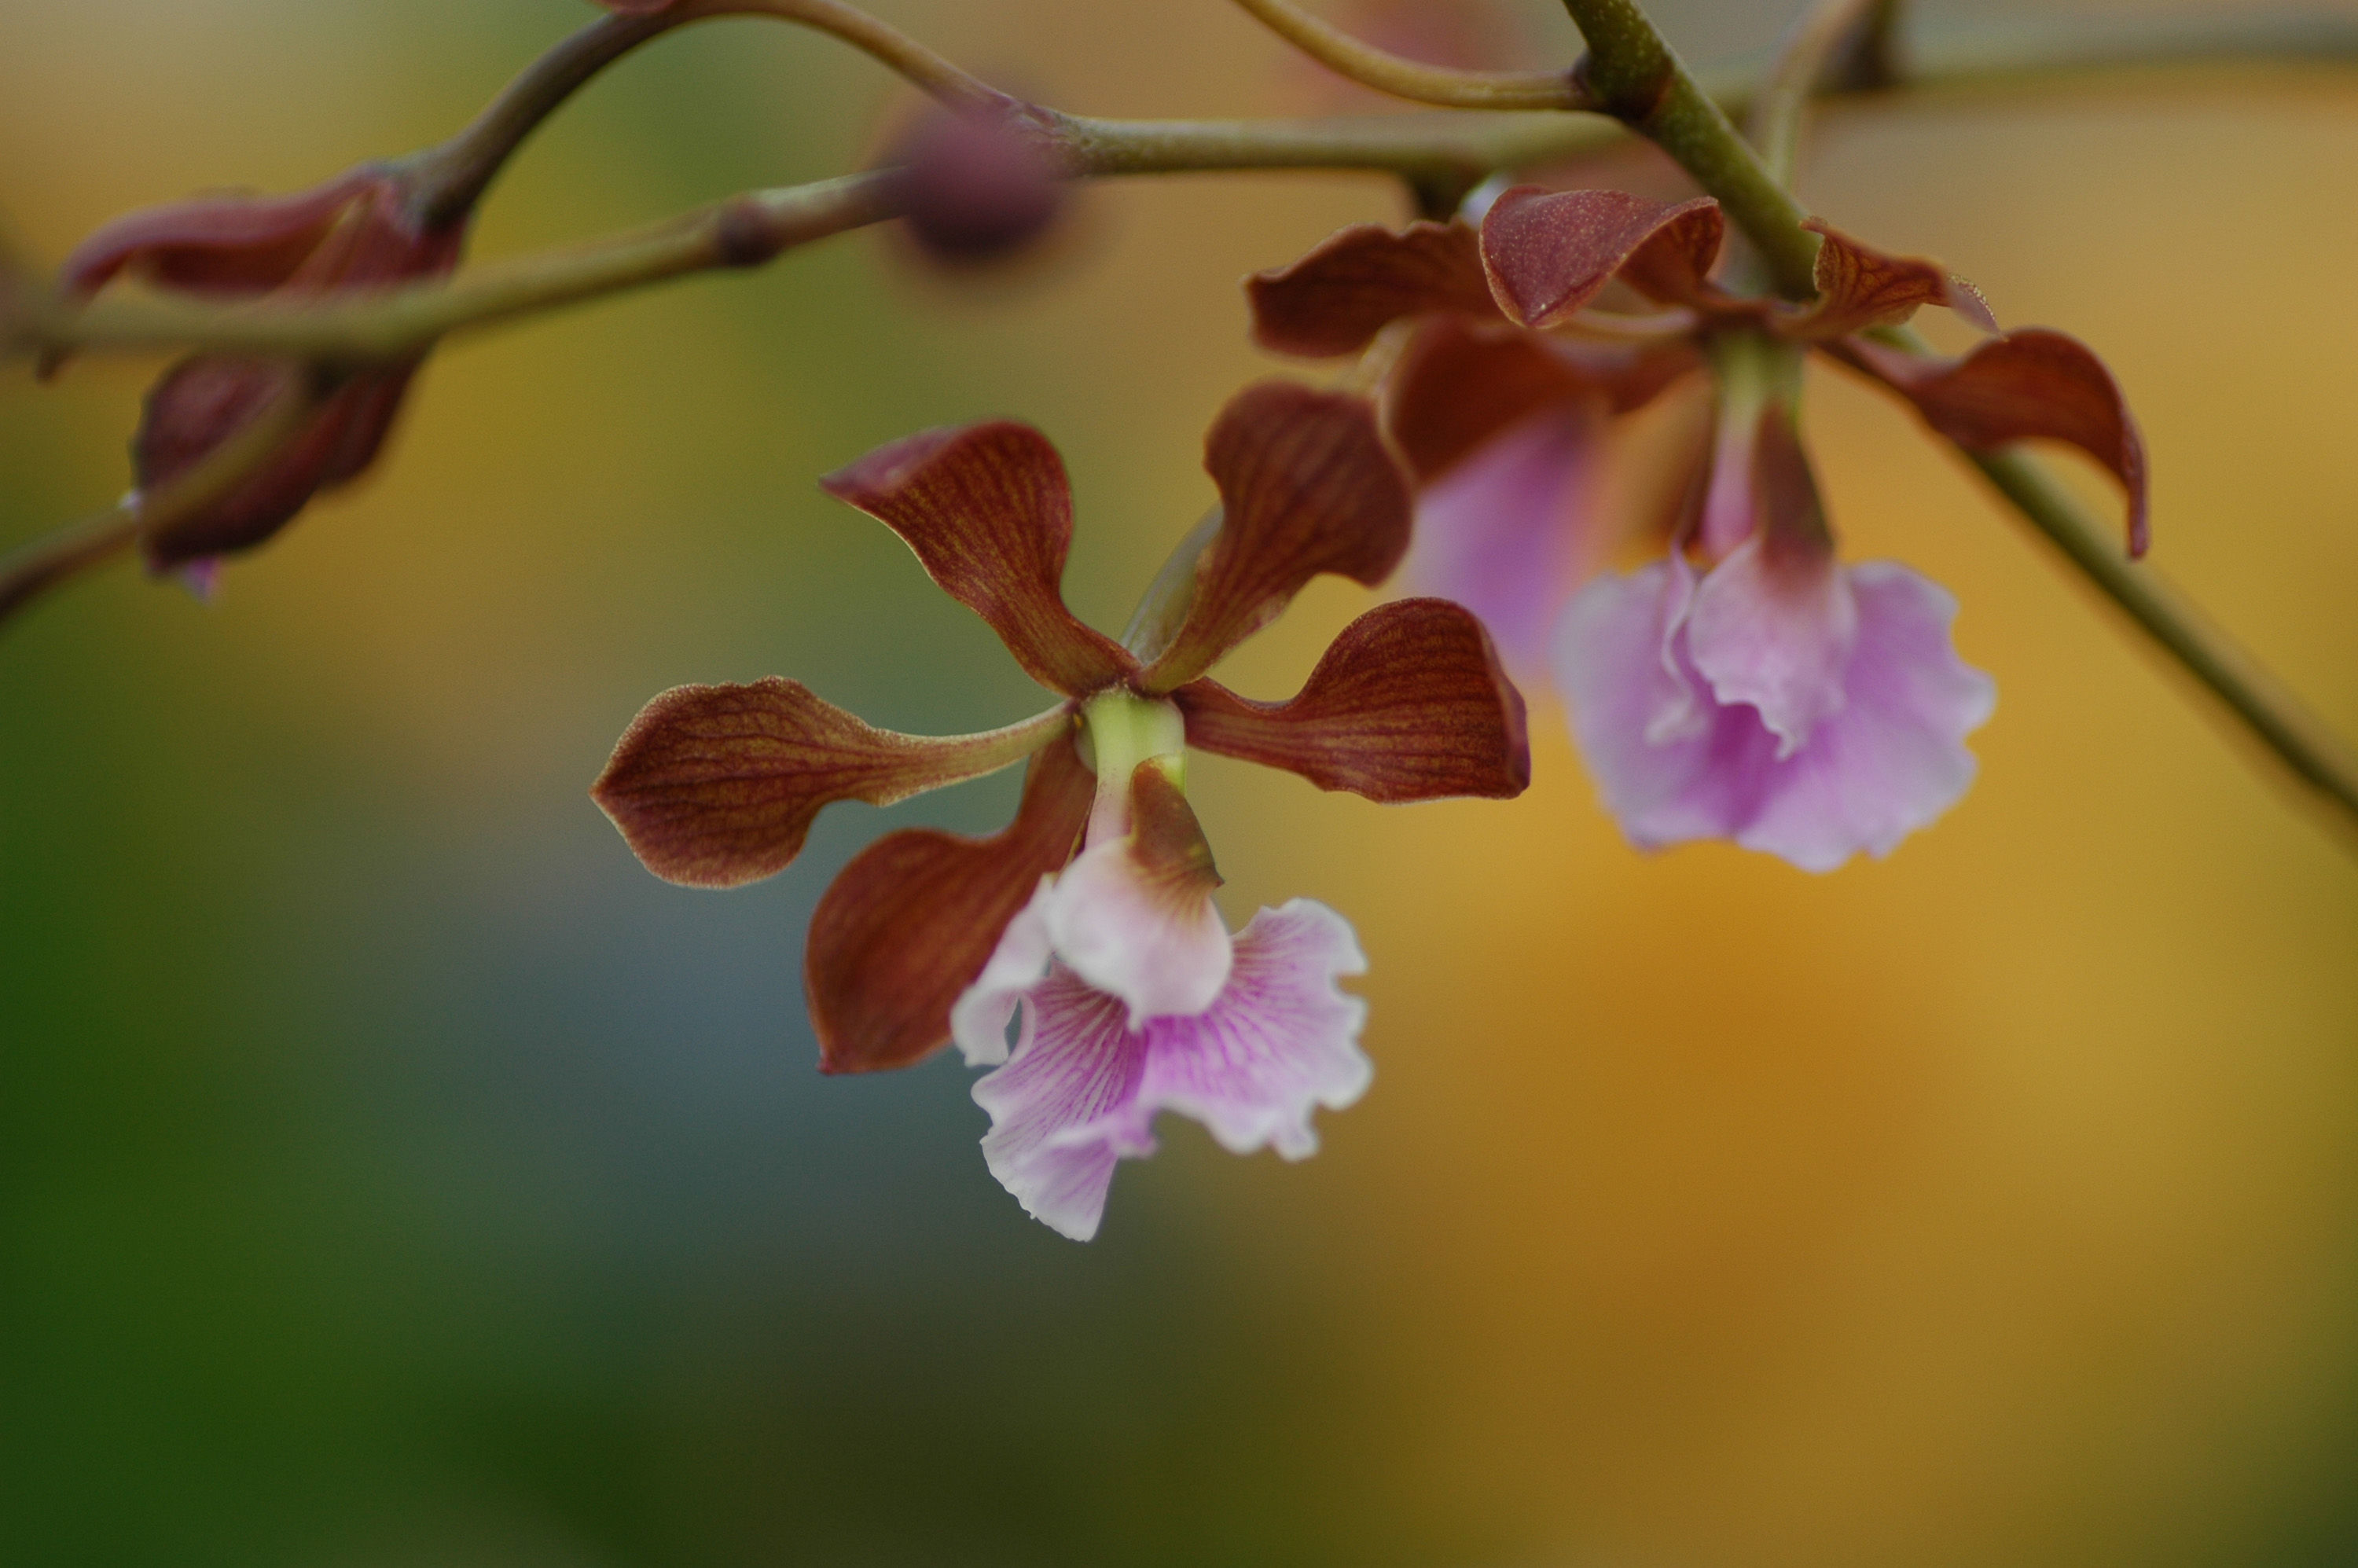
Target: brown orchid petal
1458, 384
1357, 282
715, 785
1306, 486
912, 920
2031, 384
1550, 253
1410, 703
989, 512
1859, 287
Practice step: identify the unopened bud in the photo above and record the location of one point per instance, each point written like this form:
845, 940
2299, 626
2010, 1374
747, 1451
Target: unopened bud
979, 190
361, 230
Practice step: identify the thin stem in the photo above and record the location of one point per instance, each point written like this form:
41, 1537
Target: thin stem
744, 231
1414, 80
2271, 714
912, 60
1817, 35
28, 571
1639, 82
454, 175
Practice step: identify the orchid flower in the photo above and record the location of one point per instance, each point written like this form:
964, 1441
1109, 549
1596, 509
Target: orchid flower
1780, 699
1086, 925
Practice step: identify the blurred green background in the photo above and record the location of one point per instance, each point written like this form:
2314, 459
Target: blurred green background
391, 1172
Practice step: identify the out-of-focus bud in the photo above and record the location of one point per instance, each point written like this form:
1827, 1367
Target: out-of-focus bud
981, 188
361, 231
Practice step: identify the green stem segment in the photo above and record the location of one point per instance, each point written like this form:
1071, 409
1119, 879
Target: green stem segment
2275, 718
49, 561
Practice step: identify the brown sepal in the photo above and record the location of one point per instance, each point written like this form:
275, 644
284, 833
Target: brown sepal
2031, 384
1306, 486
988, 511
1859, 287
1409, 703
1550, 253
1458, 384
1360, 280
715, 785
913, 919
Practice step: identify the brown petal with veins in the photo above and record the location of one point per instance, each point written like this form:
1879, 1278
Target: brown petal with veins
1550, 253
1306, 486
715, 785
1859, 287
2032, 384
1458, 384
1358, 281
989, 512
1410, 703
912, 920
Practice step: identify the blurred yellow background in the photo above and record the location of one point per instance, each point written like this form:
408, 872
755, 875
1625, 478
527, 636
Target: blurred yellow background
396, 1173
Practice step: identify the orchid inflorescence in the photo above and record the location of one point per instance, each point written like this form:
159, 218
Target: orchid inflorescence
1740, 681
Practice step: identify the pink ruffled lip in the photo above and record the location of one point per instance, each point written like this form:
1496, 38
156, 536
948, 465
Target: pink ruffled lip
1676, 762
1079, 1088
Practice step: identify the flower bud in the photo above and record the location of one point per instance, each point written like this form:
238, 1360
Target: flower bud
361, 230
979, 188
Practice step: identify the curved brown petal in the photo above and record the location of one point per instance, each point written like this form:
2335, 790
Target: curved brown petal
2032, 384
1362, 279
988, 511
912, 920
1860, 287
715, 785
1459, 383
1306, 486
1410, 703
1550, 253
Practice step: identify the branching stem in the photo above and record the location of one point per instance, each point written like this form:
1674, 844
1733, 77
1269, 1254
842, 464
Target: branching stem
1630, 72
